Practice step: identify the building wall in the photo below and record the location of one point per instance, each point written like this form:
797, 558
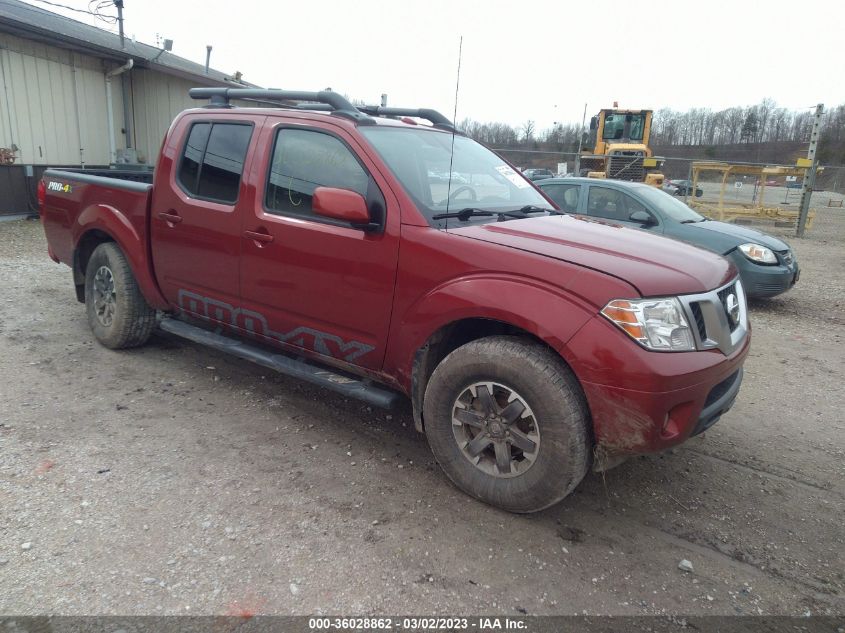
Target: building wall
53, 104
156, 99
53, 107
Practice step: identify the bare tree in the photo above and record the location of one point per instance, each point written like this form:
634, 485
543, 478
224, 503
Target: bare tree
528, 128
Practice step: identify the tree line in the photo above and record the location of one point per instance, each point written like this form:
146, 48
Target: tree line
761, 123
764, 123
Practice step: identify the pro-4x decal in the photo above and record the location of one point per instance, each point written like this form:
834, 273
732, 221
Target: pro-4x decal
252, 322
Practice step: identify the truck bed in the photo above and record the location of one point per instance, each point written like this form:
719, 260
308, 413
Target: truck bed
80, 201
134, 175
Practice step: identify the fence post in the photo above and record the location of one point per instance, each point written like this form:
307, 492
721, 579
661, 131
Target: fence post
810, 174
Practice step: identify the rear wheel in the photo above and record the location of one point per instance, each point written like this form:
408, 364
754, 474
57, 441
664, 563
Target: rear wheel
507, 422
118, 314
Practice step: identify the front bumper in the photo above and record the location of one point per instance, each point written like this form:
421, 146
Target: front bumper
719, 401
645, 402
761, 281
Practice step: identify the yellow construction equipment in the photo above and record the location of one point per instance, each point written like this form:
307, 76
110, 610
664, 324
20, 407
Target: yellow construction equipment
758, 208
618, 147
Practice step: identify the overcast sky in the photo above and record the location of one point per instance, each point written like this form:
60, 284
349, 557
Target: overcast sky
539, 60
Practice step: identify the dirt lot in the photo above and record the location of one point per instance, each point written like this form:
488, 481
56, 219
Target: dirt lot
171, 479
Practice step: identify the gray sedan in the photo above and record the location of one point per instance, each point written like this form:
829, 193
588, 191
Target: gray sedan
766, 264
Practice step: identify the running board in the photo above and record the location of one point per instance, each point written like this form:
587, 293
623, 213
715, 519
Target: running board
343, 384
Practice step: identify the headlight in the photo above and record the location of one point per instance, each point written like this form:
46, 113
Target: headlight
656, 324
759, 254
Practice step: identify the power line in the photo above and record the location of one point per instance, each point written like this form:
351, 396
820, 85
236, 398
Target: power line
100, 5
111, 19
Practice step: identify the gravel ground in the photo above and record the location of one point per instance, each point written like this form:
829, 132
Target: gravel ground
172, 479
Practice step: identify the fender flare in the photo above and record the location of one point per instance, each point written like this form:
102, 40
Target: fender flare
109, 220
554, 317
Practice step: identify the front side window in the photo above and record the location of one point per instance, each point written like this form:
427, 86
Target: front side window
670, 205
612, 204
213, 160
441, 180
304, 160
189, 169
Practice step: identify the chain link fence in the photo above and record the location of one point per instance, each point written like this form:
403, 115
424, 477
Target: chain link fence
768, 201
829, 203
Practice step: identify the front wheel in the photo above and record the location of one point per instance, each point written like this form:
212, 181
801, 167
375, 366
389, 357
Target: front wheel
507, 421
118, 314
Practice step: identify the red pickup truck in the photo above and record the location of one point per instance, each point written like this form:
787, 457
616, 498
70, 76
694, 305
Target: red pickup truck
375, 254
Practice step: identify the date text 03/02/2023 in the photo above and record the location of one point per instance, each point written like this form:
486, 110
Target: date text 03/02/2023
417, 624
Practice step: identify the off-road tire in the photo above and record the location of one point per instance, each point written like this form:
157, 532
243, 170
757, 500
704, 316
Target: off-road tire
133, 319
553, 394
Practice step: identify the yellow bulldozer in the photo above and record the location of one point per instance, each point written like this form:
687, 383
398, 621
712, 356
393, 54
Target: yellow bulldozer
617, 147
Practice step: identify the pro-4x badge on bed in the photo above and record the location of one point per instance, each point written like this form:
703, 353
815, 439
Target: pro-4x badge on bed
59, 186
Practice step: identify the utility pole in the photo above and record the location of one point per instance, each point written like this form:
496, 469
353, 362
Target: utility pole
810, 174
119, 5
124, 80
580, 142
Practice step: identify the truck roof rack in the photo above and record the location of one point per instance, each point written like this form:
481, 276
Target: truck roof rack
325, 100
436, 119
336, 102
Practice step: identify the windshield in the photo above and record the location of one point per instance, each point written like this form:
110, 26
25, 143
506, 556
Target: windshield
420, 159
615, 127
669, 205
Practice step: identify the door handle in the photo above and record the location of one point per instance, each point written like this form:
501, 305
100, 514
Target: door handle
170, 217
263, 238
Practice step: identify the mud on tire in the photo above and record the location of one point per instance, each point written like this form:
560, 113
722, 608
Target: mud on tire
536, 417
118, 314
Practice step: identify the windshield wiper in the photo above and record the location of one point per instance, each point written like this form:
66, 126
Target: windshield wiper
465, 214
533, 208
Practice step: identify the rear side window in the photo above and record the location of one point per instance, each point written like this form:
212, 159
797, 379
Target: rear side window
213, 160
304, 160
565, 196
189, 169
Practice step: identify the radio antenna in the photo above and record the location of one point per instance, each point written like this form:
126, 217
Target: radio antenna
454, 124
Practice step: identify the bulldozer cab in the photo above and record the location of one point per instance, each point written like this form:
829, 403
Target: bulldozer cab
619, 126
618, 148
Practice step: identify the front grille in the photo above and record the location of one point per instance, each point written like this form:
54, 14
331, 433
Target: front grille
624, 167
699, 320
787, 257
773, 287
710, 320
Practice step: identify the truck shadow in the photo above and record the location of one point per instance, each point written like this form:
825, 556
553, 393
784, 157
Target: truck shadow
634, 493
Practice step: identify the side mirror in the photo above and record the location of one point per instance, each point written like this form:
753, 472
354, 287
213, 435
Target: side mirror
642, 217
341, 204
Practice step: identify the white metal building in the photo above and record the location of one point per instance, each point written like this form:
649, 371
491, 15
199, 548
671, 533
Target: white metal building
62, 96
